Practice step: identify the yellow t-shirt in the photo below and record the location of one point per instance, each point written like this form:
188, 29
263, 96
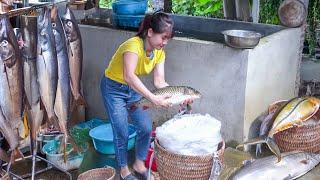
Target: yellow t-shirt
144, 66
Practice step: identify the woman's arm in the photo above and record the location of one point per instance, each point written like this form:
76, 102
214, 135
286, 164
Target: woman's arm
130, 61
158, 76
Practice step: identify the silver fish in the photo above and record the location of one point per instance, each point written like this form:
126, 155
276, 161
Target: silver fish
31, 85
47, 65
11, 86
178, 94
62, 102
292, 166
75, 55
11, 80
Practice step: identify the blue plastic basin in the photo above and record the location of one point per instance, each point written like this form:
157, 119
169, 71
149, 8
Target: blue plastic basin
130, 7
127, 21
102, 138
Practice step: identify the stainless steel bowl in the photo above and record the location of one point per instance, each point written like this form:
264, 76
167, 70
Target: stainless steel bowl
241, 38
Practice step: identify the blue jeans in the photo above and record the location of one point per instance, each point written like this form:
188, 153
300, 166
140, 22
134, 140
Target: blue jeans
117, 98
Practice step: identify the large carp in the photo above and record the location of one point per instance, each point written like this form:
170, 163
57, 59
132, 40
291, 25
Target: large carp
75, 55
176, 95
62, 102
293, 113
47, 64
292, 166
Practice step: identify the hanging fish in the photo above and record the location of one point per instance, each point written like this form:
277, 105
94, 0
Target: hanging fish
47, 64
11, 87
62, 101
75, 55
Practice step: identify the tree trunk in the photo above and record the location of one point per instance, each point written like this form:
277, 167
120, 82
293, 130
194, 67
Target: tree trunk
243, 10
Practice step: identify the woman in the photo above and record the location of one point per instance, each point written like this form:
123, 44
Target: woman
121, 86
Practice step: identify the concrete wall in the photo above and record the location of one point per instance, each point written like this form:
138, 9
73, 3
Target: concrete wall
236, 84
272, 70
217, 71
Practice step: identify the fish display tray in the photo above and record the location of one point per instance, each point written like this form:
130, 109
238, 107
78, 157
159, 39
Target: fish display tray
304, 138
176, 166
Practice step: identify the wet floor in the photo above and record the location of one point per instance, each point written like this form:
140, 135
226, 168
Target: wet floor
232, 161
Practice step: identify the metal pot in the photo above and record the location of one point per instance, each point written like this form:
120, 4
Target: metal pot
241, 38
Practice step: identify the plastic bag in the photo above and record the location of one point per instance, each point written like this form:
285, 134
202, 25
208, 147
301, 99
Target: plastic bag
191, 134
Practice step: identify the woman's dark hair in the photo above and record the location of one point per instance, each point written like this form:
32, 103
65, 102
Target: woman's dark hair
159, 22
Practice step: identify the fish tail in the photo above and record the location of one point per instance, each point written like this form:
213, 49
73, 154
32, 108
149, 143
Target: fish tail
4, 156
53, 119
80, 101
16, 154
274, 148
65, 150
253, 141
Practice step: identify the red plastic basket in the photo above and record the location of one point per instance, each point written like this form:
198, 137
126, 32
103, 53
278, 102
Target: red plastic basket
154, 164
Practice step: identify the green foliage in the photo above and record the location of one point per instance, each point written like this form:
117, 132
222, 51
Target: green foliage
208, 8
313, 22
269, 11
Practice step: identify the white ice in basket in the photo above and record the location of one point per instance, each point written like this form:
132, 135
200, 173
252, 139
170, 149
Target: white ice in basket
192, 134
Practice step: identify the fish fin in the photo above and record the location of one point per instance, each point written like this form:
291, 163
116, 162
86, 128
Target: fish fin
16, 154
41, 105
247, 162
4, 155
252, 142
305, 161
289, 177
26, 125
53, 120
5, 176
26, 101
258, 149
81, 101
274, 148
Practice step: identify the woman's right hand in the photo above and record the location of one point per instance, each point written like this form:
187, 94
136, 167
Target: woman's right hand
161, 101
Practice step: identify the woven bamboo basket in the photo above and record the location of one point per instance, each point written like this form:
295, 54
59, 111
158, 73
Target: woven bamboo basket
106, 173
304, 138
182, 167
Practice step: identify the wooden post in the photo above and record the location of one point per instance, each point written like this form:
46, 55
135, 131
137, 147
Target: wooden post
243, 11
229, 9
255, 10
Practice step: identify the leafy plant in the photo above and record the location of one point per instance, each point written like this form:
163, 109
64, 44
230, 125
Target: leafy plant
208, 8
313, 21
269, 11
